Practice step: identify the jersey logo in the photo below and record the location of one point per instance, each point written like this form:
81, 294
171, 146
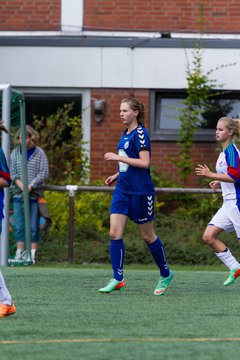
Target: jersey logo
126, 145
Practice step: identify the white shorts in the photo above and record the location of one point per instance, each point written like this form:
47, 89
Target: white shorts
227, 217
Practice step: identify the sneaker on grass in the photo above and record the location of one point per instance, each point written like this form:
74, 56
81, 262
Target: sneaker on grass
163, 284
234, 274
6, 310
113, 285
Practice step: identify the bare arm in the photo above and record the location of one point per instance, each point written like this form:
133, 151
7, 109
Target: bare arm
215, 185
20, 185
143, 161
203, 170
111, 179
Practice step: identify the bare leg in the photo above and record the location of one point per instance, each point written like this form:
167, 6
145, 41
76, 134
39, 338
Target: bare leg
34, 247
147, 232
210, 236
117, 225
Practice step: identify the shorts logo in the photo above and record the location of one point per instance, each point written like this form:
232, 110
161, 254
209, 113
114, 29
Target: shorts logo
150, 205
145, 219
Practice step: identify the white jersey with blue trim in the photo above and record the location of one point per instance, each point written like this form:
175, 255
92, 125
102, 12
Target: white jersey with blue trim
229, 163
134, 180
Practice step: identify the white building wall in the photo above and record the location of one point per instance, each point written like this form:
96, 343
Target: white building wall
71, 15
111, 67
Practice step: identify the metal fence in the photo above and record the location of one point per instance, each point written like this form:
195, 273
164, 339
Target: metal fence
72, 189
111, 189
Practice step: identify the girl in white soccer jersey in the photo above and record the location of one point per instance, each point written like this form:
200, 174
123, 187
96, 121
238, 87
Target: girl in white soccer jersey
227, 178
133, 196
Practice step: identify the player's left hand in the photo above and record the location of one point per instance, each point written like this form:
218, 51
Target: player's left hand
215, 185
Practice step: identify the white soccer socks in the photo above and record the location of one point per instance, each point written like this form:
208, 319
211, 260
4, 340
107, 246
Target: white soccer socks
228, 259
5, 297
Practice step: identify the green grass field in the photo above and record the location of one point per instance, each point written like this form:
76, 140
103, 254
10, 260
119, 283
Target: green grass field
60, 315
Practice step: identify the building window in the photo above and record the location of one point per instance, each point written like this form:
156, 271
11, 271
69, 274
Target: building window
47, 104
165, 108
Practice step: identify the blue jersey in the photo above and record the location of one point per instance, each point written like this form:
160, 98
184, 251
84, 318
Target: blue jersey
134, 180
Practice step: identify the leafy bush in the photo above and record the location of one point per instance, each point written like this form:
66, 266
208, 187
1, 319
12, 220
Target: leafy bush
180, 219
180, 230
61, 138
91, 227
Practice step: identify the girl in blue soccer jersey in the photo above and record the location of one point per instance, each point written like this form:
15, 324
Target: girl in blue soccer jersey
133, 196
227, 178
6, 306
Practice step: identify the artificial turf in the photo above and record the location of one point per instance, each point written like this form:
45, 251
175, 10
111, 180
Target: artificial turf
61, 315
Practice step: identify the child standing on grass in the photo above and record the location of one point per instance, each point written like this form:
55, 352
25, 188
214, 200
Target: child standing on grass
133, 196
37, 167
227, 178
6, 305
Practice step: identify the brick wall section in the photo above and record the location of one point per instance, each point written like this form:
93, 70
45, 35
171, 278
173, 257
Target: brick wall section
105, 137
137, 15
30, 15
162, 15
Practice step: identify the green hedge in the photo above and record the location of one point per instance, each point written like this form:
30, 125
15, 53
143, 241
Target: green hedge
180, 220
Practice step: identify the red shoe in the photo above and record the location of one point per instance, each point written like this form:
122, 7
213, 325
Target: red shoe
6, 310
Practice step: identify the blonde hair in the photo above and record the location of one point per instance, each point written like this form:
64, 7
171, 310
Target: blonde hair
232, 124
31, 133
136, 105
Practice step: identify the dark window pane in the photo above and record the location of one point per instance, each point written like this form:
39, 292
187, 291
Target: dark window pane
165, 113
47, 104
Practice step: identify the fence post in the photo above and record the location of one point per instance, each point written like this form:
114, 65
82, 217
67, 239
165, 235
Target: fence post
72, 189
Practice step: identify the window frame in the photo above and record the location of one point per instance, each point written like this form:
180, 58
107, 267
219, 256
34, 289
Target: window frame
85, 95
201, 135
57, 100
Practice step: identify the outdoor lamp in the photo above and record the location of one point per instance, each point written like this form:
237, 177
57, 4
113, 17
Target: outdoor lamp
98, 109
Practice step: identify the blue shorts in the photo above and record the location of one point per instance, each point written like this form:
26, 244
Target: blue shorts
19, 222
139, 208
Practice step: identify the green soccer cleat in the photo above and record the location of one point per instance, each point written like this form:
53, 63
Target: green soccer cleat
113, 285
163, 284
234, 274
